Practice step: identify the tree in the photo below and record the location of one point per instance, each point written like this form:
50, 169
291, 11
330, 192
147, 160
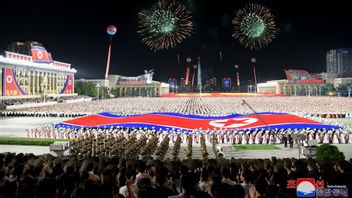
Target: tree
86, 88
329, 153
78, 88
104, 92
330, 89
115, 92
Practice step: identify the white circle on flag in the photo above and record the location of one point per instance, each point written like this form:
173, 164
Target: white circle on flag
9, 79
69, 82
40, 55
232, 123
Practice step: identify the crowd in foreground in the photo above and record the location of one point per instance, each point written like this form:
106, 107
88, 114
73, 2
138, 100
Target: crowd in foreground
45, 176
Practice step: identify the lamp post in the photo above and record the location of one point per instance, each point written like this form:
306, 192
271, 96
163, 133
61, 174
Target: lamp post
349, 89
98, 85
193, 76
253, 60
250, 88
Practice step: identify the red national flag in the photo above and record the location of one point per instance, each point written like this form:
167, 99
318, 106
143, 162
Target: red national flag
50, 57
39, 55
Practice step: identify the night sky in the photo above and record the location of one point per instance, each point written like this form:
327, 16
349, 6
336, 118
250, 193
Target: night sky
76, 33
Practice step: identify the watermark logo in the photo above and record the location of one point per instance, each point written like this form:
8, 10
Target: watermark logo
309, 187
305, 187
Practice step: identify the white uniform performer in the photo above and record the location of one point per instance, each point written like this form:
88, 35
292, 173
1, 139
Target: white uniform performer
326, 138
244, 138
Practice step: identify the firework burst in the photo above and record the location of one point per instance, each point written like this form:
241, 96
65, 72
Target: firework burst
165, 25
254, 26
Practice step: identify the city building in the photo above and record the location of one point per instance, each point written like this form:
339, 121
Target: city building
327, 77
23, 47
272, 86
33, 72
342, 81
339, 61
142, 85
297, 83
96, 82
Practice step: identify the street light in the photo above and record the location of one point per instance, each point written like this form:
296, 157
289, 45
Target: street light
98, 85
238, 78
250, 88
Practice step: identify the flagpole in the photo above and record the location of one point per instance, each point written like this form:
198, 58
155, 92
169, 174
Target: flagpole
253, 60
244, 102
111, 30
108, 60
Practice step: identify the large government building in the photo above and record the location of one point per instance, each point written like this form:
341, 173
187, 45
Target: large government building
132, 86
27, 69
142, 85
297, 83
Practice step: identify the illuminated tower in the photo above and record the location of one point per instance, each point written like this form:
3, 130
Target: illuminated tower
199, 76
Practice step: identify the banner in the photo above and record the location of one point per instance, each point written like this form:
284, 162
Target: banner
68, 87
301, 76
40, 55
193, 122
187, 76
226, 83
10, 86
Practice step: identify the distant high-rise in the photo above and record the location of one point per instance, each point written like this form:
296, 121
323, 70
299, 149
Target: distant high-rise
22, 47
339, 61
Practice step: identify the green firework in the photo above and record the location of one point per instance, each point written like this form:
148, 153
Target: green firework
162, 22
254, 26
165, 25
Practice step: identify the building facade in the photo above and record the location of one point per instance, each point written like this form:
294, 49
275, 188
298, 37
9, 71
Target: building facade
342, 81
96, 82
34, 74
339, 61
298, 83
141, 85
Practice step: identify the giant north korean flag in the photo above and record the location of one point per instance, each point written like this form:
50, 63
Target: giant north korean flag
192, 122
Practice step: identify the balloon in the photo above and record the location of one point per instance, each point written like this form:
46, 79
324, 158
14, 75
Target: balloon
111, 30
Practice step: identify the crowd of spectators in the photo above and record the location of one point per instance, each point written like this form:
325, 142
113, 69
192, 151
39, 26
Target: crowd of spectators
317, 106
29, 100
45, 176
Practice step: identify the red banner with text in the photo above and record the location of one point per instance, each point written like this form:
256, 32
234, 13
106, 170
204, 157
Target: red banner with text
10, 86
68, 87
